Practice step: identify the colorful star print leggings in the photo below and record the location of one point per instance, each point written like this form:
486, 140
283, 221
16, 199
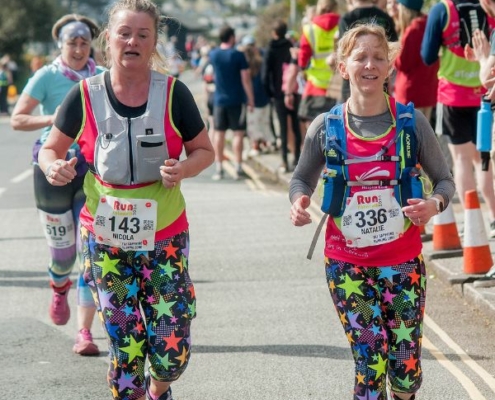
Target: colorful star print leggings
157, 282
381, 310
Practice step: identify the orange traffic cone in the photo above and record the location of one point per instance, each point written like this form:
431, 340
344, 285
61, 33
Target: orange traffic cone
477, 254
445, 235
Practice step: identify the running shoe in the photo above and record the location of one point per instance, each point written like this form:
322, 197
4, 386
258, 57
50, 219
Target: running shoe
59, 307
165, 396
218, 176
84, 345
240, 174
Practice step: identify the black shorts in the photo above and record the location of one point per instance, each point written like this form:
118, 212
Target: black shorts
458, 123
312, 106
232, 117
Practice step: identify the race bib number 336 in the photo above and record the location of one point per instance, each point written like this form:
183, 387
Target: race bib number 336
126, 223
371, 218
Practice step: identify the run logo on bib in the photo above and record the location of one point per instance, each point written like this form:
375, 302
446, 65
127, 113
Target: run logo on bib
371, 218
129, 224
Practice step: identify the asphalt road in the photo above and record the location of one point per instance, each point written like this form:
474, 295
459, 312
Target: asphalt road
266, 328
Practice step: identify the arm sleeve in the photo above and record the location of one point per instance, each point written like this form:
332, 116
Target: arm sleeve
37, 84
432, 39
432, 160
308, 170
243, 64
185, 112
70, 114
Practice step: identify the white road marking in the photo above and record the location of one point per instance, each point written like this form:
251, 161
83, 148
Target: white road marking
467, 383
22, 176
487, 378
2, 190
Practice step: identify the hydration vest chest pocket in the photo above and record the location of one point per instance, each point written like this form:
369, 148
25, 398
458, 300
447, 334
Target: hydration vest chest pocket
334, 187
151, 153
112, 157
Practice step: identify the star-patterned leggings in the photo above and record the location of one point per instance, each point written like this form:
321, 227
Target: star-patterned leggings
156, 281
381, 310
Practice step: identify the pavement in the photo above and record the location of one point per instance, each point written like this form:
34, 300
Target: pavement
447, 266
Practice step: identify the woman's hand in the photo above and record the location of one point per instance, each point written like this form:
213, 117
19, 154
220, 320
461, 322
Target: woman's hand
419, 211
61, 172
172, 173
481, 47
298, 214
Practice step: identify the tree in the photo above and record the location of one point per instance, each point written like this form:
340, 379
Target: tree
266, 19
25, 21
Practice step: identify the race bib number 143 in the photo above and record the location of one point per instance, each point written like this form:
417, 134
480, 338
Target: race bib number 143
129, 224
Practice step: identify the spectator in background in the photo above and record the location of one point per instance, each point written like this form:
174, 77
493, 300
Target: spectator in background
458, 101
483, 51
393, 11
5, 81
11, 65
276, 61
258, 121
414, 80
365, 11
208, 77
317, 43
233, 91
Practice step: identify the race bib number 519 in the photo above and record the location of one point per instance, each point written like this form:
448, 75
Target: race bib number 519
59, 229
129, 224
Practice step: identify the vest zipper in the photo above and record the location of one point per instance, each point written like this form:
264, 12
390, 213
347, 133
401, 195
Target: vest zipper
129, 137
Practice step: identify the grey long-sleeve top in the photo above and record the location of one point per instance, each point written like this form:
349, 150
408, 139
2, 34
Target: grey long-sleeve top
312, 161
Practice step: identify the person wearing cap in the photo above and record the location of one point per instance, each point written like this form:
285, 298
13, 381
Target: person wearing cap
414, 80
59, 207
